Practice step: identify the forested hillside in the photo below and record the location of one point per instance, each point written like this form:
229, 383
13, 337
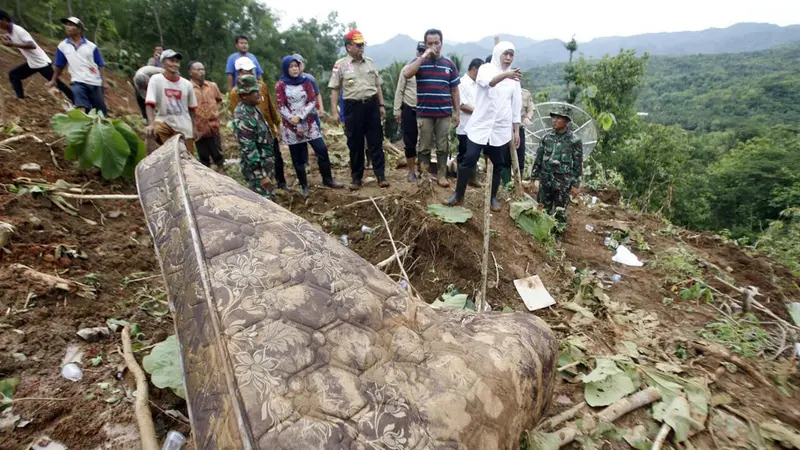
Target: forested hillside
127, 30
710, 92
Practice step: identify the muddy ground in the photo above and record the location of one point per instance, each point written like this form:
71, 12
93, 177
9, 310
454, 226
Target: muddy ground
112, 252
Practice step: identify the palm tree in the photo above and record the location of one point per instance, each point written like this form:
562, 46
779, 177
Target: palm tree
570, 74
458, 60
390, 75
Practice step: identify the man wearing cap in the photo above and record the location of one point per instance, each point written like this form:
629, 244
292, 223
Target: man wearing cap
86, 67
437, 99
558, 166
405, 113
254, 138
171, 102
245, 66
206, 118
242, 45
36, 60
364, 110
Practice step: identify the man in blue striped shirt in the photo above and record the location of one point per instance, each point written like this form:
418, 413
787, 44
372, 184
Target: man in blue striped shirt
437, 98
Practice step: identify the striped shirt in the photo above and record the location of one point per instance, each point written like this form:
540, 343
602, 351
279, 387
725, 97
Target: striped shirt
434, 81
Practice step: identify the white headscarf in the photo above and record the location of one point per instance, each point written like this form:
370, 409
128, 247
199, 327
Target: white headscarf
499, 49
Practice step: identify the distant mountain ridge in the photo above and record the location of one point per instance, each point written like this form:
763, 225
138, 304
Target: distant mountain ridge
741, 37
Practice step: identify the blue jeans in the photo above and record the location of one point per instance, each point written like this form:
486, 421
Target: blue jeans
89, 97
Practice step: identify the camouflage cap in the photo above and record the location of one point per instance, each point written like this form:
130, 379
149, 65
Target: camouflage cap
246, 84
563, 111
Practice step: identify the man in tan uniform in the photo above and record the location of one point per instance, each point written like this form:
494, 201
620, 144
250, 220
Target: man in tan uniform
364, 110
405, 113
528, 108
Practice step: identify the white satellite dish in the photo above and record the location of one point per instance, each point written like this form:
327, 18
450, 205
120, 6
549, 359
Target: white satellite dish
582, 125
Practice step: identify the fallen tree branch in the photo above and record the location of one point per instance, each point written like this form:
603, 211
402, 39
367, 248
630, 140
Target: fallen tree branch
386, 262
565, 416
49, 282
568, 434
5, 143
661, 437
96, 196
727, 356
394, 246
144, 417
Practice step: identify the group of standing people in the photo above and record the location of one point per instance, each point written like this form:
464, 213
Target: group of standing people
79, 55
489, 110
487, 106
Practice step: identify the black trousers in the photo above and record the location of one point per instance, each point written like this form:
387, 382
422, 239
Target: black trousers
470, 162
408, 122
521, 151
142, 105
280, 177
299, 154
209, 148
363, 119
22, 72
462, 148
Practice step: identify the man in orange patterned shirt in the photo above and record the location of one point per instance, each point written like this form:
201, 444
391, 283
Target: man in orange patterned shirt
206, 118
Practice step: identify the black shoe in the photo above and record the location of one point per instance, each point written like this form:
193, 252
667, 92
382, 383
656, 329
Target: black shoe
283, 186
383, 183
333, 184
355, 185
453, 200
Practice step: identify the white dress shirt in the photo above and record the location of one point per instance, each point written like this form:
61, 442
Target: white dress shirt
496, 108
466, 90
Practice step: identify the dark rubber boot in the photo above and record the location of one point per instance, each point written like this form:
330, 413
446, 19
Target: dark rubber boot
302, 179
464, 175
495, 204
327, 178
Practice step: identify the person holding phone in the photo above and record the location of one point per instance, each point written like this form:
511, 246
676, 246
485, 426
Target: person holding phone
495, 119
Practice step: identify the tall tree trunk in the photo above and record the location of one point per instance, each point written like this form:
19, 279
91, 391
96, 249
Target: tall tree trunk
69, 8
158, 24
18, 13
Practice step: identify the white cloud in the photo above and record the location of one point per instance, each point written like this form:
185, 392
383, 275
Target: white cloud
586, 19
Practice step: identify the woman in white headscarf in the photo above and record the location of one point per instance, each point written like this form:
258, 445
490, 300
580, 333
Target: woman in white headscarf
494, 122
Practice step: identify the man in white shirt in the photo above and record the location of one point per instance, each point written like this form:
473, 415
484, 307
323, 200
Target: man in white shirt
171, 102
467, 91
495, 119
36, 60
86, 67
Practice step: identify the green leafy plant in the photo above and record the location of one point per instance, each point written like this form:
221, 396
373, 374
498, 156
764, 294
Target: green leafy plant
697, 291
538, 224
742, 334
607, 383
450, 214
96, 141
678, 264
164, 366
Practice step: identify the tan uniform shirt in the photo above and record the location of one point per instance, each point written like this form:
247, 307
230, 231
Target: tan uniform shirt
527, 104
358, 80
406, 90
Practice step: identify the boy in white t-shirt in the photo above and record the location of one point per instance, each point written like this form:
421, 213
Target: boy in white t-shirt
170, 103
36, 60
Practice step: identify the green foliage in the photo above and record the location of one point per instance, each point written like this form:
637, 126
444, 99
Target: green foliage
164, 366
450, 214
697, 291
537, 223
95, 141
677, 263
390, 76
606, 384
742, 334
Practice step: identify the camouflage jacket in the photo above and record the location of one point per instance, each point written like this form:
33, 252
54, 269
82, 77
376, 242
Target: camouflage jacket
254, 137
559, 155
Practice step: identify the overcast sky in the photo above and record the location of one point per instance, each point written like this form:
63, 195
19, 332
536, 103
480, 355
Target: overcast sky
586, 19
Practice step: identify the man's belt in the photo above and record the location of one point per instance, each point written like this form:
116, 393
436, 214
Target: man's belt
363, 100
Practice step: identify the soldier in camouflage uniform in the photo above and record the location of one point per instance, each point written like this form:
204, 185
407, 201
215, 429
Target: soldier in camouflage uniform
254, 138
558, 166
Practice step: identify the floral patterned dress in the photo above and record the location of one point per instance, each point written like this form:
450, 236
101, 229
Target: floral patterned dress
300, 101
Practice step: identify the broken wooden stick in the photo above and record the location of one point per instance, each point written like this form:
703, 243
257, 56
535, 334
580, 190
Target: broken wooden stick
386, 262
96, 196
47, 282
144, 418
658, 442
727, 356
565, 416
394, 246
481, 304
568, 434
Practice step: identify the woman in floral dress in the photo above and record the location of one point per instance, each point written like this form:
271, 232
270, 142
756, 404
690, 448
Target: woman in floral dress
296, 100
